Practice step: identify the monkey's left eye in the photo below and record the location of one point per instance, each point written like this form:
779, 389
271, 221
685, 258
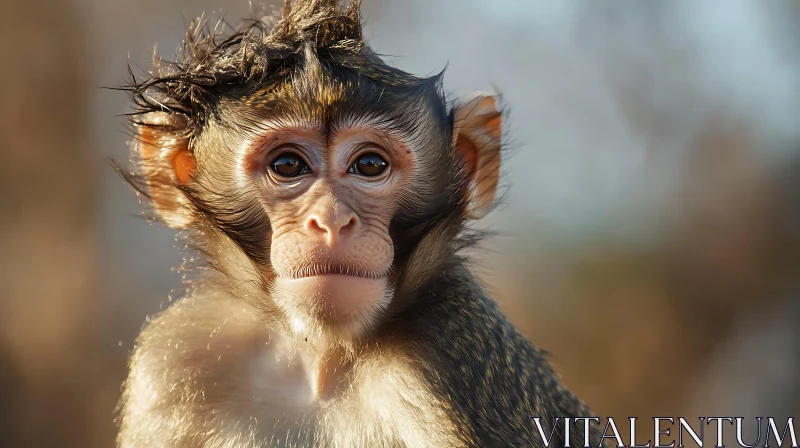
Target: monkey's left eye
289, 165
369, 164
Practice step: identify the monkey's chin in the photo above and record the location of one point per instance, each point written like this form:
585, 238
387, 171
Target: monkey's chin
337, 302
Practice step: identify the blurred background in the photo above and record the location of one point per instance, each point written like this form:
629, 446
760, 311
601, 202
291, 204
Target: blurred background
650, 237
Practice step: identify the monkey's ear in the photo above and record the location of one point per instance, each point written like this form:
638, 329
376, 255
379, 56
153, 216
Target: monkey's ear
167, 163
477, 138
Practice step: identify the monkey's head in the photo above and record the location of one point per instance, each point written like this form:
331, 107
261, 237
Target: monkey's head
325, 186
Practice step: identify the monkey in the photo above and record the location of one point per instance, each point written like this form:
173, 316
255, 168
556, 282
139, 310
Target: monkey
329, 196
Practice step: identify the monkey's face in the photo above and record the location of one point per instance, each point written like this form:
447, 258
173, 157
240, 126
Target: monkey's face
326, 202
330, 202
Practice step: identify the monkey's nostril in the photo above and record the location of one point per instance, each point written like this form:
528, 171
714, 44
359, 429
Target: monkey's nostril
315, 225
349, 226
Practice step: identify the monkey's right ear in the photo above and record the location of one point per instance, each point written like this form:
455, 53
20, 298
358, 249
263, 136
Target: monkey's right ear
477, 138
167, 163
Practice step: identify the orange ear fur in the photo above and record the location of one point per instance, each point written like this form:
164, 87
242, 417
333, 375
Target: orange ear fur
477, 137
184, 166
167, 163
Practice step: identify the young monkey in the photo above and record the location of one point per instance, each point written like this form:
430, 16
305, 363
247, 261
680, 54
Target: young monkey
328, 195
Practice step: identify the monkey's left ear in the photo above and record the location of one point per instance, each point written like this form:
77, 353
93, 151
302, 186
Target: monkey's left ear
477, 138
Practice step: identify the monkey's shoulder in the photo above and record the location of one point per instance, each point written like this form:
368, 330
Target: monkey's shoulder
196, 378
481, 361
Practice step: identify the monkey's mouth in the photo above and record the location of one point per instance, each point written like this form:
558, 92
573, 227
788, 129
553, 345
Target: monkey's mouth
319, 270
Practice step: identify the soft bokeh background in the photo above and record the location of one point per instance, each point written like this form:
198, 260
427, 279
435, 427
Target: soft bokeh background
650, 237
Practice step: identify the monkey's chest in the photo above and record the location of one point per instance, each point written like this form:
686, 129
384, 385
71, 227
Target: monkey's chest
377, 402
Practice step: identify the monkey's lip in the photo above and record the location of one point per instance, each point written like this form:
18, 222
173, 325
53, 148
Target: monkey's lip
333, 271
333, 278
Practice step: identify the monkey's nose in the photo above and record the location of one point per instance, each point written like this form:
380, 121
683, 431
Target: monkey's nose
332, 227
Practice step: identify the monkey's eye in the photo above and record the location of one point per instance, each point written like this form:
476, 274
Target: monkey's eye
369, 164
289, 165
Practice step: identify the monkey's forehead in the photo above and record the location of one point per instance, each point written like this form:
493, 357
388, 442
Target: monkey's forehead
331, 107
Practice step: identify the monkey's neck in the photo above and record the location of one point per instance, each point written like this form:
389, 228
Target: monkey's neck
328, 372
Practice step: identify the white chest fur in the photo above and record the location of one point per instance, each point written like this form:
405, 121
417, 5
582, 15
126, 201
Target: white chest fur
207, 372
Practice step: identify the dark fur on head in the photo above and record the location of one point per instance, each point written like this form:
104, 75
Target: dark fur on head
260, 54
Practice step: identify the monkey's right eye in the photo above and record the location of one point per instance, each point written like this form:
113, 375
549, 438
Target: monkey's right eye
289, 165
